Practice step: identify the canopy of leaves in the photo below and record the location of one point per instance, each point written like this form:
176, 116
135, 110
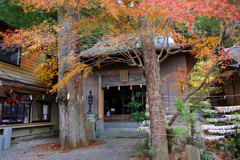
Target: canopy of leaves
15, 15
197, 26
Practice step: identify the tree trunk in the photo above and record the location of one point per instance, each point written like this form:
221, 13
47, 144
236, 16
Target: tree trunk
153, 83
71, 106
71, 116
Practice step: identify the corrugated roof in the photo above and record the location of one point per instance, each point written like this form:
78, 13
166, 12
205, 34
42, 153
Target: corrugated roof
235, 53
117, 45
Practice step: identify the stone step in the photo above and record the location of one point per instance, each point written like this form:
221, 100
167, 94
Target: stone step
127, 129
121, 124
119, 134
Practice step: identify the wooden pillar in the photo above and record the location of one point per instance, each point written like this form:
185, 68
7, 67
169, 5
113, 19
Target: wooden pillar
234, 93
100, 99
31, 112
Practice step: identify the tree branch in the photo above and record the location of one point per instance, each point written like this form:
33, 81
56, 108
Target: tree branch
193, 92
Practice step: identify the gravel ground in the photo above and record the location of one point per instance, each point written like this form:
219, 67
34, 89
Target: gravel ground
26, 150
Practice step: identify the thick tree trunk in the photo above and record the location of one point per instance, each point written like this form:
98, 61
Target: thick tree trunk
153, 83
71, 115
71, 107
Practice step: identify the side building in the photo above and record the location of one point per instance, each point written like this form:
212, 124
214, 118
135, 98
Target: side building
24, 105
227, 93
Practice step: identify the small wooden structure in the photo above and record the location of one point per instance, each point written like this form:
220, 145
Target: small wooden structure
228, 92
116, 84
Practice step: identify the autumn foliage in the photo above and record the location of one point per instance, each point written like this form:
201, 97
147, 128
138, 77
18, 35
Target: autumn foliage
200, 27
116, 19
55, 147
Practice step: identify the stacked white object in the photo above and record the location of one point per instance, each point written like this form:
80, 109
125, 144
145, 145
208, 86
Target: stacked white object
227, 109
229, 131
223, 109
213, 127
145, 126
209, 111
207, 126
213, 138
231, 117
226, 118
216, 119
224, 129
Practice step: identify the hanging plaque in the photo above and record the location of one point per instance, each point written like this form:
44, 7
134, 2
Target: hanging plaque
124, 75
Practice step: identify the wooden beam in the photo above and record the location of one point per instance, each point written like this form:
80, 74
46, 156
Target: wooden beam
215, 90
51, 128
100, 99
22, 86
104, 85
31, 130
117, 72
26, 125
35, 99
15, 89
234, 93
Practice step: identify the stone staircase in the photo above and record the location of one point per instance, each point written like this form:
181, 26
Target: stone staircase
120, 130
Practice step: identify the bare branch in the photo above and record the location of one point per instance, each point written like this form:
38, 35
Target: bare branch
160, 55
182, 50
99, 22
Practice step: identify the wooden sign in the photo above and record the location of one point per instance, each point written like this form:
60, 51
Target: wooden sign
18, 98
124, 75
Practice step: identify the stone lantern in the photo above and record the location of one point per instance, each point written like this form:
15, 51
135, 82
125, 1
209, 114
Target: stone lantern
90, 120
90, 102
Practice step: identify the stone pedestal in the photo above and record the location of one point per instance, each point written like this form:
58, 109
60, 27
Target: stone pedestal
221, 145
90, 126
1, 142
7, 134
197, 138
192, 153
99, 125
174, 143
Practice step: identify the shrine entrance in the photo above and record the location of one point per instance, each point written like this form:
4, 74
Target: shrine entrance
116, 97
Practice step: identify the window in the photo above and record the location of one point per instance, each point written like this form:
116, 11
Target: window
36, 114
20, 113
143, 78
105, 79
15, 108
6, 112
118, 78
41, 111
10, 55
13, 112
26, 114
131, 77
